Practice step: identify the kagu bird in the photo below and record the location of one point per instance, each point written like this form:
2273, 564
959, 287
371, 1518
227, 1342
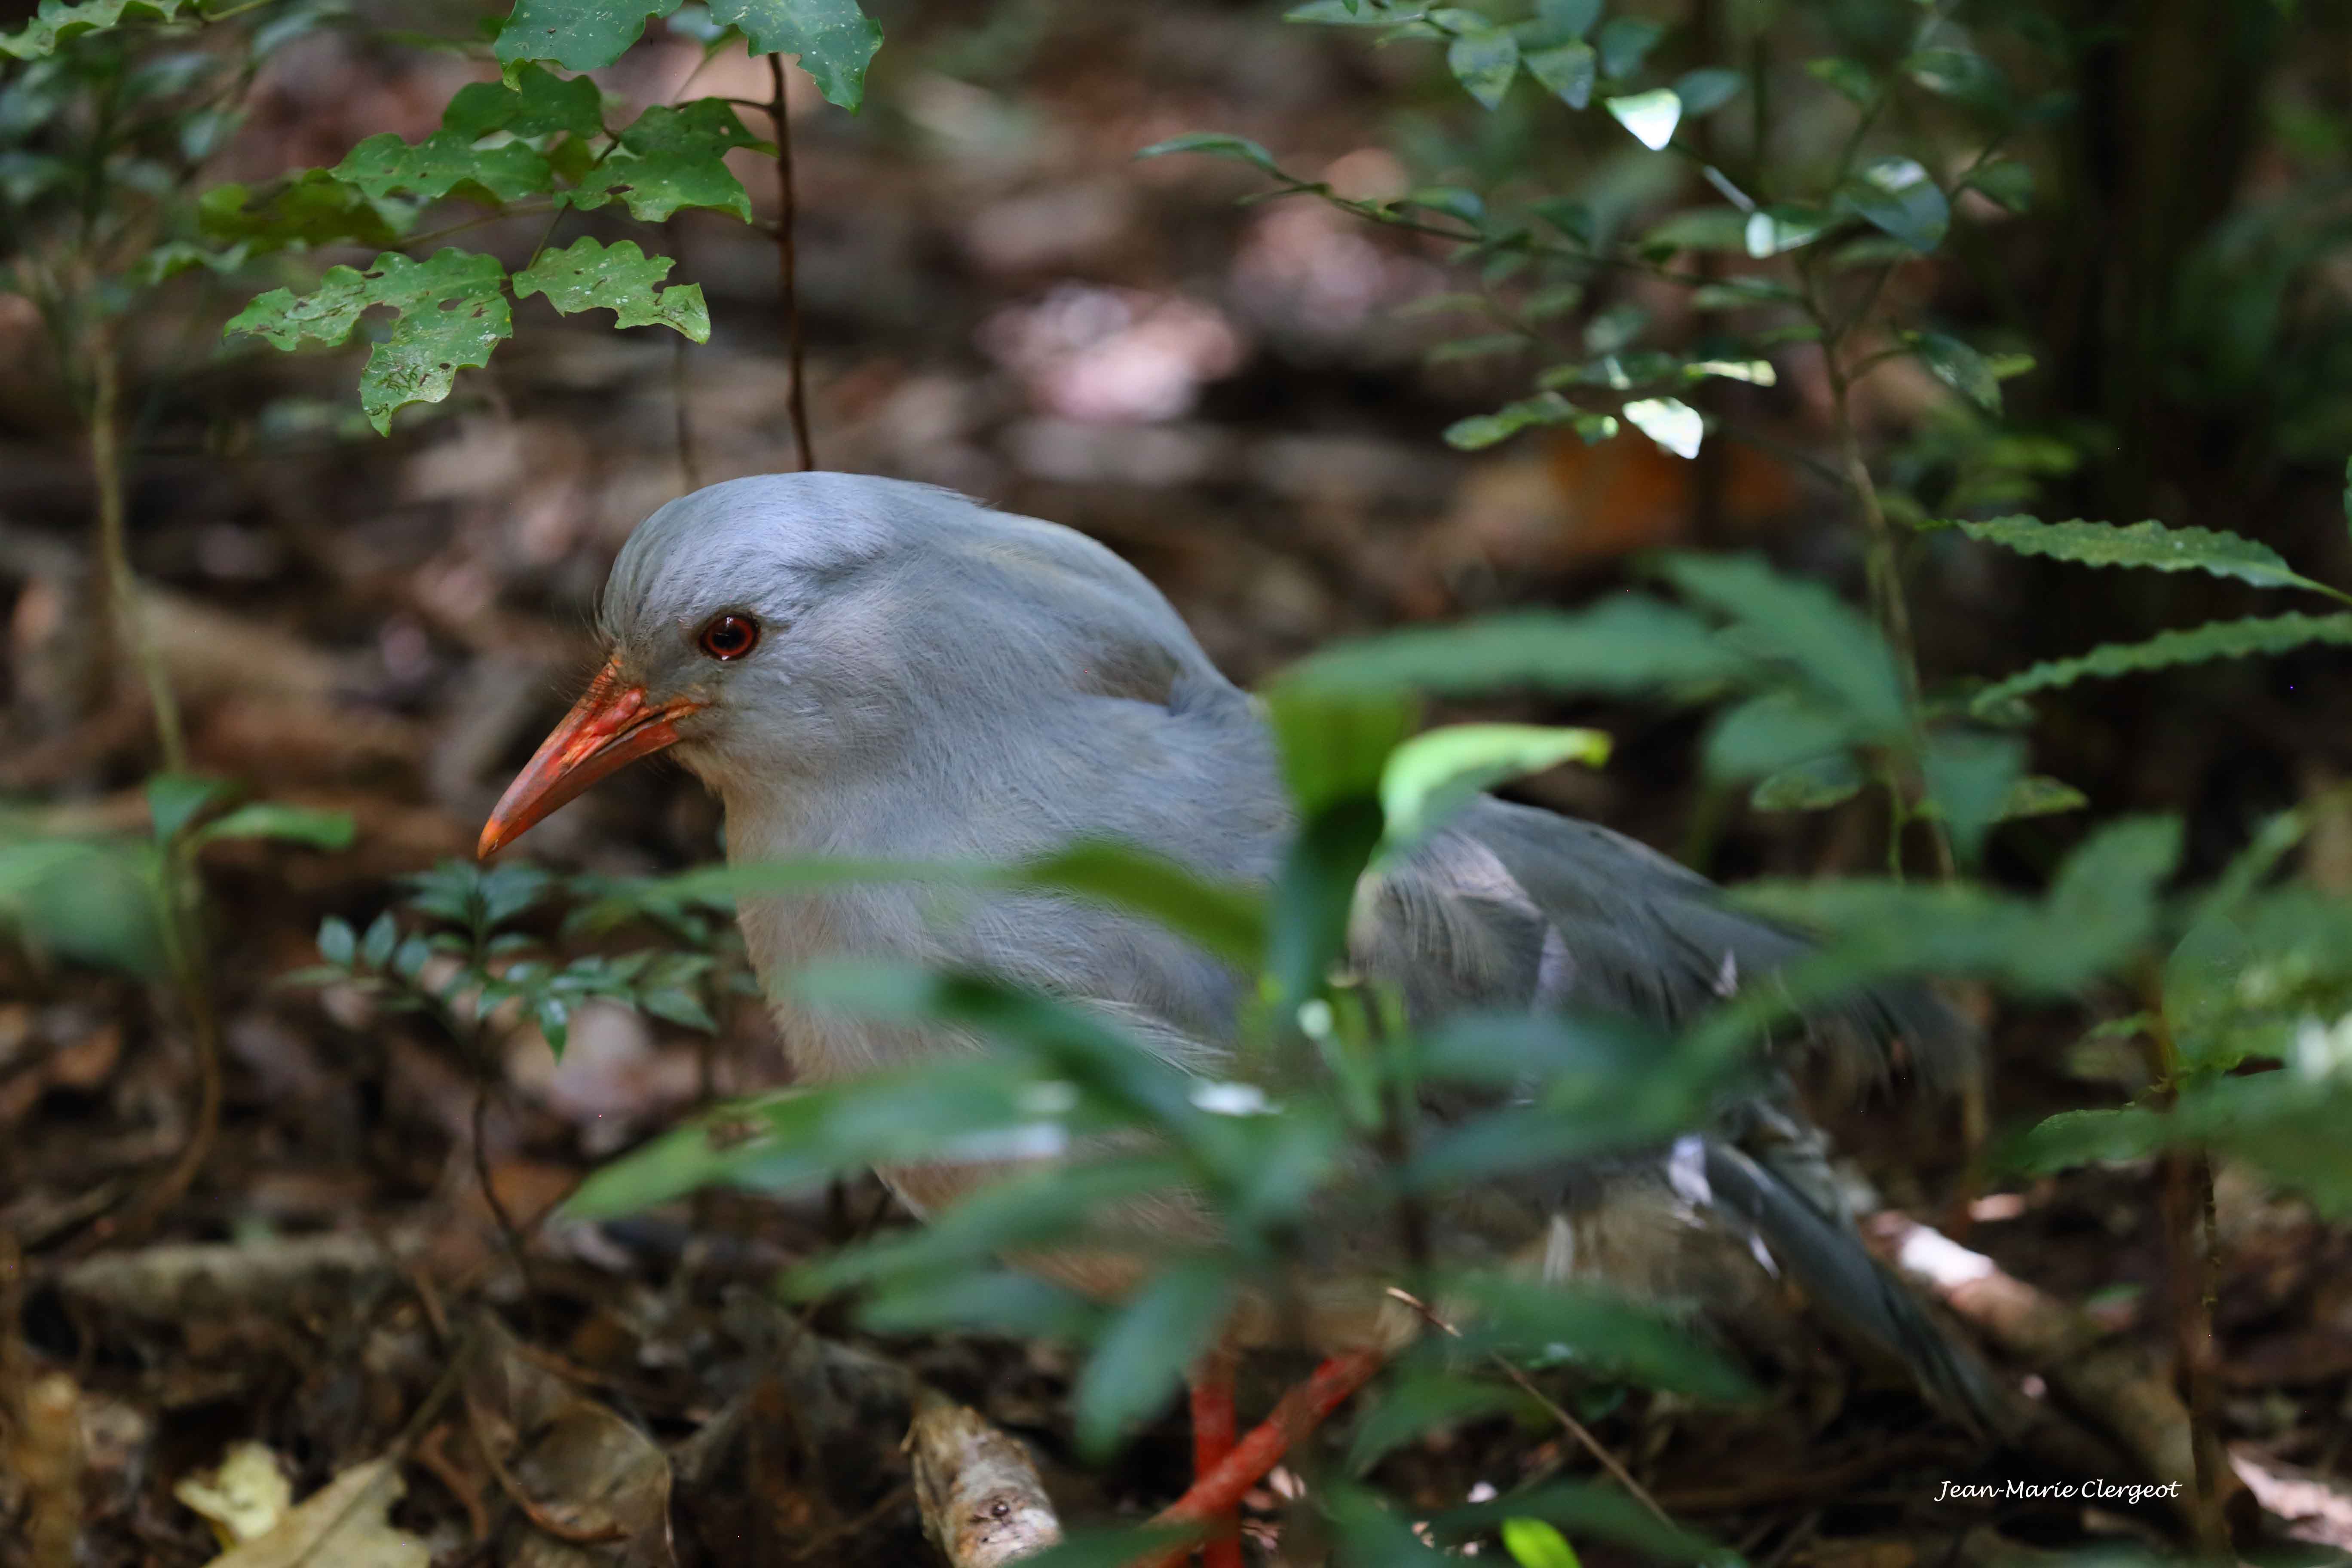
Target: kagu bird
875, 669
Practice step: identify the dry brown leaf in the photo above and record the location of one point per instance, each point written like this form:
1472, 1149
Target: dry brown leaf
341, 1525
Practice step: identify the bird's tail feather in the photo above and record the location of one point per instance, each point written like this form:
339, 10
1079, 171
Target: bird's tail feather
1827, 1259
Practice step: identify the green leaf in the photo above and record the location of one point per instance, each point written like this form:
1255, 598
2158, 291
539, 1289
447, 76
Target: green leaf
1707, 90
2149, 545
174, 801
1970, 777
1779, 228
1484, 61
1566, 72
1850, 79
1629, 644
1313, 897
1699, 228
1824, 639
2214, 639
1813, 785
834, 39
2075, 1138
1899, 196
1588, 1509
1958, 366
1141, 1357
1754, 371
55, 24
442, 162
1215, 144
2006, 181
672, 158
1351, 13
1335, 743
1739, 293
1961, 76
1227, 918
331, 830
1770, 734
383, 936
308, 209
1485, 345
1650, 116
1532, 1543
452, 311
1624, 43
588, 276
1454, 201
536, 103
578, 35
338, 943
1525, 1318
1438, 772
2037, 795
1422, 1403
1670, 422
1482, 430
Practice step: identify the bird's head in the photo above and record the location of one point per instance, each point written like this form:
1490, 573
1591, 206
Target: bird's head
791, 629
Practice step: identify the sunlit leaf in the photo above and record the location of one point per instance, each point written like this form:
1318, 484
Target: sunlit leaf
1438, 772
332, 830
1532, 1543
1650, 116
1670, 422
587, 275
1899, 196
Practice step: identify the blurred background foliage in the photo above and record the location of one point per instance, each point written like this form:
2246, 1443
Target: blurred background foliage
1741, 364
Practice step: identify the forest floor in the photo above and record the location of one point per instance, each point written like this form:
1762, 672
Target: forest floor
1002, 302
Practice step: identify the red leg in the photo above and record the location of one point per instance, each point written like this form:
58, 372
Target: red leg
1212, 1440
1302, 1409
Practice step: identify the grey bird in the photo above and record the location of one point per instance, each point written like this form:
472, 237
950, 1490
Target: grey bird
876, 668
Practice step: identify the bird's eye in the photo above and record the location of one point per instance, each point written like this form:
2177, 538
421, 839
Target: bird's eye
730, 636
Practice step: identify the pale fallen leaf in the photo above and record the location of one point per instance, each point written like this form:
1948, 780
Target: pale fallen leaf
244, 1497
341, 1525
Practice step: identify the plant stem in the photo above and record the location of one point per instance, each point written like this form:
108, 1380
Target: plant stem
2190, 1265
114, 552
787, 265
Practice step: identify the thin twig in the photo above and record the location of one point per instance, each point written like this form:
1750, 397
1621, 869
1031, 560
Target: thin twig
509, 1232
114, 552
787, 267
1575, 1428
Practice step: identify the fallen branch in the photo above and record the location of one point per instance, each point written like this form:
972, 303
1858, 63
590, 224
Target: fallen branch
2106, 1379
981, 1502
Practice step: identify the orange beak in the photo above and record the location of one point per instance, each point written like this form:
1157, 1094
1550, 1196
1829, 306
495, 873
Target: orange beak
609, 727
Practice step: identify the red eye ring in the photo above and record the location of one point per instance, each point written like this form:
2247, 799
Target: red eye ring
729, 636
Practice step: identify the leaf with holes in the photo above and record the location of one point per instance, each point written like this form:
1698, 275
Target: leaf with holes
452, 312
672, 158
54, 24
589, 276
536, 103
578, 35
834, 38
444, 162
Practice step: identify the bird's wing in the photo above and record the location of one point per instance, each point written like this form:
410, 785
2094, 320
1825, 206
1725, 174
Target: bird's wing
1514, 907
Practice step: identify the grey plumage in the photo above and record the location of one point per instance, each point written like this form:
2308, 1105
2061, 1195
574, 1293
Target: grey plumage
941, 681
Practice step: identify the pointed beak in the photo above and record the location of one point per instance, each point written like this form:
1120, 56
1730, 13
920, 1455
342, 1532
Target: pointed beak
609, 727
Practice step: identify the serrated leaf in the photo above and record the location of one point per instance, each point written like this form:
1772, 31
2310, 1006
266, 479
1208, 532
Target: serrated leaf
1705, 90
442, 162
1213, 144
578, 35
2214, 639
1899, 196
834, 39
587, 275
672, 158
1650, 116
1670, 422
1484, 61
1433, 776
55, 24
1624, 42
1566, 72
1813, 785
535, 104
2149, 545
1958, 366
452, 311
